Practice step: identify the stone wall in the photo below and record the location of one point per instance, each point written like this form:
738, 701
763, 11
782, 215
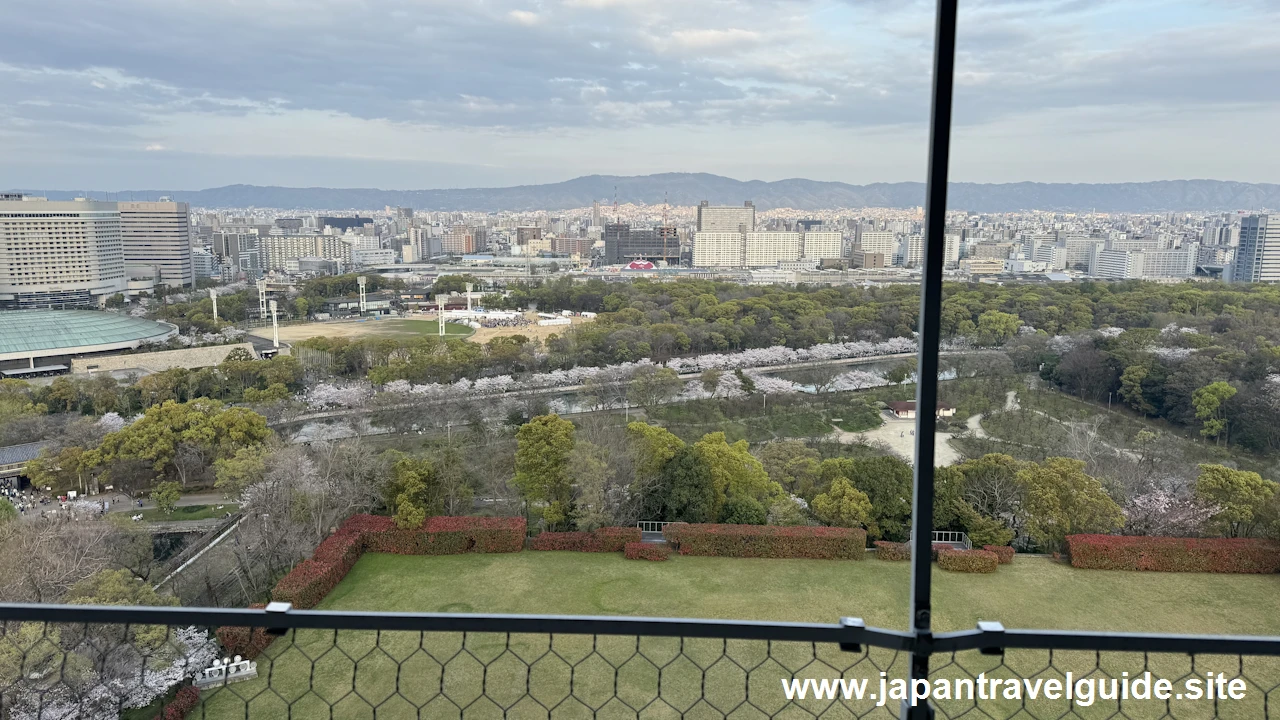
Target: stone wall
154, 362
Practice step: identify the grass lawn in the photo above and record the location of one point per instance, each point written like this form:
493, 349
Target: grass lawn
399, 673
190, 512
421, 327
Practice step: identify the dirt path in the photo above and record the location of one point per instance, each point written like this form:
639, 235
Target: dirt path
899, 436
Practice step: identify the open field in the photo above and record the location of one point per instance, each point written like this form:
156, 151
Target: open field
190, 512
397, 327
534, 330
491, 675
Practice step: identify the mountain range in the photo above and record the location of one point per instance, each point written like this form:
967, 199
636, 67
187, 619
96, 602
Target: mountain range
691, 188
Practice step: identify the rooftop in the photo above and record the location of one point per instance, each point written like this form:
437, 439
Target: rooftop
37, 331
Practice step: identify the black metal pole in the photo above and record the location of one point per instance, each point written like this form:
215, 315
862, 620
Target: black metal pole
935, 209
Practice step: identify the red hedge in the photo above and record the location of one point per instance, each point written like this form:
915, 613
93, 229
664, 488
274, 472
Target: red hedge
615, 539
183, 702
1167, 554
886, 550
246, 642
307, 583
768, 541
1004, 553
647, 551
939, 547
575, 541
968, 561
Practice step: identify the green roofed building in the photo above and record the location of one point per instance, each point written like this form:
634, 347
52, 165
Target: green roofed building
35, 341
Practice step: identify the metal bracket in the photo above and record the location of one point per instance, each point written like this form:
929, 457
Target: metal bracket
991, 627
852, 622
280, 608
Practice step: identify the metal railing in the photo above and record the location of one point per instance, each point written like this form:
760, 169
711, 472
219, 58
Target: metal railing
59, 662
950, 537
651, 525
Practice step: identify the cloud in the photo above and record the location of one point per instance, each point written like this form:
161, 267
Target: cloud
154, 147
369, 78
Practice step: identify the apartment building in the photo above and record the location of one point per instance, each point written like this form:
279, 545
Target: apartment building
59, 254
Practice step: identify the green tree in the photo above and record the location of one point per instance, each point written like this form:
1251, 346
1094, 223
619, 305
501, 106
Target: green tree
744, 510
886, 481
792, 464
543, 447
1062, 500
981, 529
1239, 495
691, 491
68, 469
166, 495
7, 511
1208, 403
995, 327
710, 380
843, 505
412, 492
1131, 388
735, 472
748, 385
651, 386
63, 393
652, 447
589, 471
248, 466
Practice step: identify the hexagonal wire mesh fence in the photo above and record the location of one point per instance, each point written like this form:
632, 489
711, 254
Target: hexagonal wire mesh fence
331, 665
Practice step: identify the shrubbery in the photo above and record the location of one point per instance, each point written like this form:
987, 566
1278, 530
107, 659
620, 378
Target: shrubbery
647, 551
1168, 554
968, 561
938, 548
1004, 553
893, 551
246, 642
184, 702
767, 541
605, 539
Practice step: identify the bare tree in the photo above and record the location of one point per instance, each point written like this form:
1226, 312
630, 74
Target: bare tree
41, 559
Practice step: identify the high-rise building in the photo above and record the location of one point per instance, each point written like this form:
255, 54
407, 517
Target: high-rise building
884, 243
715, 218
767, 249
719, 249
203, 264
280, 252
624, 244
1258, 255
59, 254
823, 245
159, 234
459, 240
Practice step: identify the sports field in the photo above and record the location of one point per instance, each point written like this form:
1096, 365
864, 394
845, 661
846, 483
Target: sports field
490, 675
394, 327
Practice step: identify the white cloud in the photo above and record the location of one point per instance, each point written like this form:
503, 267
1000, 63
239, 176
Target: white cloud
155, 147
524, 17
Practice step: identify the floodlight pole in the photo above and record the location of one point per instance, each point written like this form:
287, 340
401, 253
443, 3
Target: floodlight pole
213, 295
262, 299
275, 326
364, 305
935, 218
469, 286
440, 321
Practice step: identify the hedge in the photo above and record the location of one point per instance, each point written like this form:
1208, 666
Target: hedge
647, 551
246, 642
307, 583
616, 539
575, 541
1004, 553
939, 547
893, 551
767, 541
1168, 554
184, 702
968, 561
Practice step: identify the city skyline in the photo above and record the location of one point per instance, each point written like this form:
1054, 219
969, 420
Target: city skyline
399, 95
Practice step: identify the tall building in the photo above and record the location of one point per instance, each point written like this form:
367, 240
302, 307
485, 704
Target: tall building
1127, 264
159, 234
1258, 255
767, 249
203, 264
624, 244
59, 254
459, 240
716, 218
719, 249
823, 245
281, 252
884, 243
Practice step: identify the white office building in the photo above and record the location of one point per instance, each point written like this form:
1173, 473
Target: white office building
277, 250
1079, 250
885, 243
1258, 255
1130, 264
59, 254
158, 235
719, 218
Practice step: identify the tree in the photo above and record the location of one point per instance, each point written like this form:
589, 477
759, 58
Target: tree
735, 472
1239, 496
691, 492
886, 481
248, 466
543, 446
995, 327
7, 511
589, 471
710, 380
651, 448
792, 464
843, 505
166, 496
411, 493
744, 510
1062, 500
1131, 388
652, 386
992, 489
1208, 402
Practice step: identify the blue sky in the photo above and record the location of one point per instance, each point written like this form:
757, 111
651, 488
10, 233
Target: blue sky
187, 94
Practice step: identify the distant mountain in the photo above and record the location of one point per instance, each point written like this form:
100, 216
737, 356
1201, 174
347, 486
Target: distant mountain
690, 188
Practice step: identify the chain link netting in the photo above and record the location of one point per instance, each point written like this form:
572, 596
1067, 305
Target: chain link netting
66, 671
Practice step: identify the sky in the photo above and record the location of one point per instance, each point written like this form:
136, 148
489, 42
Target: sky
409, 94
